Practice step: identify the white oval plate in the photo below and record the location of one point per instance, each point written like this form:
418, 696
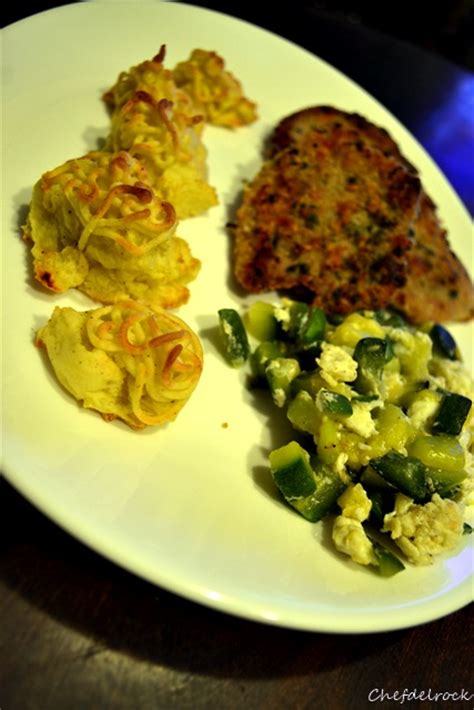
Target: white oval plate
188, 507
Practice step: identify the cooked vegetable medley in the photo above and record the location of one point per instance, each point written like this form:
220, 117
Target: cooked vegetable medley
383, 423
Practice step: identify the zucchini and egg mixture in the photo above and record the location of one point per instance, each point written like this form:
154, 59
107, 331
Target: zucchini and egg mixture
383, 423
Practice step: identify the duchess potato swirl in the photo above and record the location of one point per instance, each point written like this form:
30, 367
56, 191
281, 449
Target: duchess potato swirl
97, 225
125, 360
168, 144
214, 90
152, 77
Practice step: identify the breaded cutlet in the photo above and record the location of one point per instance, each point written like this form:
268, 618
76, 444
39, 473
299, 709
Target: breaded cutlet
434, 284
340, 125
438, 287
331, 218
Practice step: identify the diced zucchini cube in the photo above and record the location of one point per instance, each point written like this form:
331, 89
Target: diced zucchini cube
234, 337
313, 327
389, 318
261, 321
452, 414
263, 354
306, 484
310, 382
298, 317
441, 451
388, 563
306, 325
329, 486
444, 482
407, 474
354, 328
292, 472
443, 342
303, 414
280, 372
371, 355
333, 403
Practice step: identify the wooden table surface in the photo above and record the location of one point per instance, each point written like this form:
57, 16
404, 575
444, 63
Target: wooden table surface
79, 633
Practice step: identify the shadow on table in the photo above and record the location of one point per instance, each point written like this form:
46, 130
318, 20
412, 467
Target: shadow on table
120, 612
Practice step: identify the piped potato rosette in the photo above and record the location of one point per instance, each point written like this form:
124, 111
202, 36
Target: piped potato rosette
168, 144
97, 225
152, 77
126, 360
214, 90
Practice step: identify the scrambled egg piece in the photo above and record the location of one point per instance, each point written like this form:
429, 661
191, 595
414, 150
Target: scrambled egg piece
348, 534
126, 361
423, 531
96, 225
336, 364
423, 409
361, 421
413, 350
214, 90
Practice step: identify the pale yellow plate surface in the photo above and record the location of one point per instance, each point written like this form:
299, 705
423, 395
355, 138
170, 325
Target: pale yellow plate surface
188, 507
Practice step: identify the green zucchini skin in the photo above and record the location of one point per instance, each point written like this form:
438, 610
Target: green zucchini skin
407, 474
280, 372
261, 321
414, 478
314, 327
452, 414
298, 316
443, 342
388, 563
292, 472
382, 503
371, 354
334, 403
234, 337
329, 487
395, 320
263, 355
306, 484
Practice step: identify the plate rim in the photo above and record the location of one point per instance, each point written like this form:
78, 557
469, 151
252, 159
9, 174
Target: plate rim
454, 602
